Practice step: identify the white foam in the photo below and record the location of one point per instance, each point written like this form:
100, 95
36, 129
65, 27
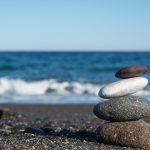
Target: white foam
22, 87
52, 91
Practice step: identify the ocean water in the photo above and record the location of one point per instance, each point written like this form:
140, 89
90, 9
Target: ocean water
62, 77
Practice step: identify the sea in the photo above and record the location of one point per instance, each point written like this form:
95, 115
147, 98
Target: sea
63, 77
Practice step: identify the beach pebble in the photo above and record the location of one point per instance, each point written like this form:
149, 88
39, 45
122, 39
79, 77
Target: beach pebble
131, 71
123, 109
123, 87
129, 134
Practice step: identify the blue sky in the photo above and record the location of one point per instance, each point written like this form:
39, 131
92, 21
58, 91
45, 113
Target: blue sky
75, 24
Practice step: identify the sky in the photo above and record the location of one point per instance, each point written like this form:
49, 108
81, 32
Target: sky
74, 25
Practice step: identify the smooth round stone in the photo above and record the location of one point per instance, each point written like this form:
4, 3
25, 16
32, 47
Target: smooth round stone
123, 109
123, 87
129, 134
131, 71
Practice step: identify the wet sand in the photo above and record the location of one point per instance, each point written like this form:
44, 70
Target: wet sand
56, 127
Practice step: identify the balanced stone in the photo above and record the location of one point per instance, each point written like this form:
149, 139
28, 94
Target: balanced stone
123, 87
123, 109
130, 134
131, 71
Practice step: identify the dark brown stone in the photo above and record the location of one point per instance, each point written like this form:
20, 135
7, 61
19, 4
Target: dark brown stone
131, 71
130, 134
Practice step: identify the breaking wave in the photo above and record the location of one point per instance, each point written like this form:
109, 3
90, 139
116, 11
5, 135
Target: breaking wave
42, 87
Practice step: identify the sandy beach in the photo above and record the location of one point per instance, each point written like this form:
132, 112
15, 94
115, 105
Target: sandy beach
57, 127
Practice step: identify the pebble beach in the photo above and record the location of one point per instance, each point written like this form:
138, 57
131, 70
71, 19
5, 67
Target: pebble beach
47, 108
74, 75
56, 127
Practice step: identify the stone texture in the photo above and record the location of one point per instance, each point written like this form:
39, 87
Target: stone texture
123, 87
131, 71
5, 113
130, 134
123, 109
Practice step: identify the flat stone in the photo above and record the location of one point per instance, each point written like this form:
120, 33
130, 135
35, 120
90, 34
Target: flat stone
129, 134
123, 109
123, 87
131, 71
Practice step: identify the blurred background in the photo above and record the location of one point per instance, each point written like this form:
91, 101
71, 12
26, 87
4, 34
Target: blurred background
63, 52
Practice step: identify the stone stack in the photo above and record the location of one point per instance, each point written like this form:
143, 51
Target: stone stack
124, 111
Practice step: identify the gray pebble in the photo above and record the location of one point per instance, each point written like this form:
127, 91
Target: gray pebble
123, 109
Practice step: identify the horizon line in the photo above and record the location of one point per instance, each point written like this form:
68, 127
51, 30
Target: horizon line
74, 50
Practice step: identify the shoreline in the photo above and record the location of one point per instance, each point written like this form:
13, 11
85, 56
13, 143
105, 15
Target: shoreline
55, 127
